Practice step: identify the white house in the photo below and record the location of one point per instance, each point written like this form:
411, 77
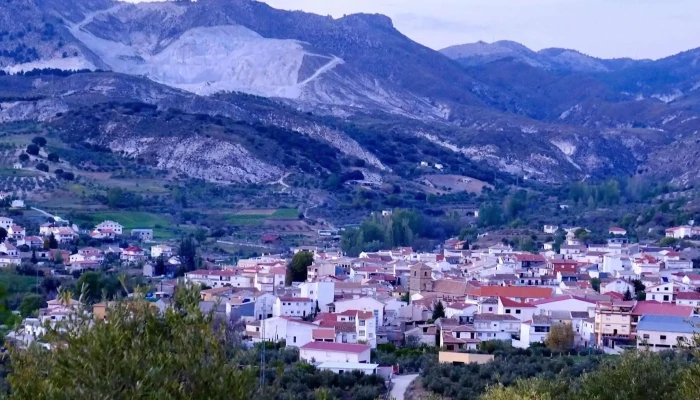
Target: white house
16, 232
321, 292
664, 332
533, 331
161, 250
17, 204
662, 293
691, 299
294, 332
646, 263
494, 326
133, 254
17, 165
9, 249
564, 303
293, 307
362, 304
616, 285
6, 223
216, 279
617, 231
264, 305
111, 225
551, 229
521, 311
334, 352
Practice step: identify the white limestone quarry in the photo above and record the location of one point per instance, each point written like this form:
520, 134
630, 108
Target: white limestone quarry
669, 97
67, 64
206, 60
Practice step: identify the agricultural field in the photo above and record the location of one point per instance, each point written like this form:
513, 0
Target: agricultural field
443, 184
163, 227
259, 217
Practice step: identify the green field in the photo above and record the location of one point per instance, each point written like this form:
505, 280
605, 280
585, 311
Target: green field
15, 283
250, 218
162, 226
286, 213
19, 172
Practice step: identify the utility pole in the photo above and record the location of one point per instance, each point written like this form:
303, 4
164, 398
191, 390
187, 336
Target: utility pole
264, 344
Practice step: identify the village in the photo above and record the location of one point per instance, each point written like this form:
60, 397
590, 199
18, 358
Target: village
610, 297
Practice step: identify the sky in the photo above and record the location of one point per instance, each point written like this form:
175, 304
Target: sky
601, 28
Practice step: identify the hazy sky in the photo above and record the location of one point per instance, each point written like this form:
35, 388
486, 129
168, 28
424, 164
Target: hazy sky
602, 28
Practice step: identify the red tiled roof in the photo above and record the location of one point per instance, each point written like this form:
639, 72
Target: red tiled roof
528, 292
512, 303
688, 296
652, 307
530, 258
297, 299
207, 272
617, 229
338, 347
323, 334
133, 249
561, 298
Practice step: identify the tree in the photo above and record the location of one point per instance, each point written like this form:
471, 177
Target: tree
595, 284
91, 284
530, 389
24, 157
3, 235
160, 268
187, 254
139, 353
33, 149
636, 375
39, 141
53, 157
628, 295
297, 268
34, 259
52, 242
42, 167
30, 304
560, 338
439, 311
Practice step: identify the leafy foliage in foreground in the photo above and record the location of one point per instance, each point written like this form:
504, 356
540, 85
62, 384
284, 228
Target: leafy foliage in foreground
636, 375
467, 382
136, 353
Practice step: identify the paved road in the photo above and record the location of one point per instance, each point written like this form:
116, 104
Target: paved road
401, 383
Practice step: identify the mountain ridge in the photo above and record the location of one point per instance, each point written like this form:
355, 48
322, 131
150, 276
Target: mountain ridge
355, 84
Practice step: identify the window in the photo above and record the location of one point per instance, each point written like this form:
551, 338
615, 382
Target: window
517, 311
362, 323
362, 333
665, 297
507, 310
662, 337
646, 336
294, 339
490, 308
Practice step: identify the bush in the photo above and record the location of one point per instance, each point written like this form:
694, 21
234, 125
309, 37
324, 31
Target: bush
42, 167
33, 149
24, 157
53, 157
39, 141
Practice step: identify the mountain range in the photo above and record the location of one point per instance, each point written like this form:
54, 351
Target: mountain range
353, 86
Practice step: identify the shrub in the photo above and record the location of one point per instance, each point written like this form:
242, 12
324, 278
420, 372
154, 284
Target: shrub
39, 141
42, 167
33, 149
